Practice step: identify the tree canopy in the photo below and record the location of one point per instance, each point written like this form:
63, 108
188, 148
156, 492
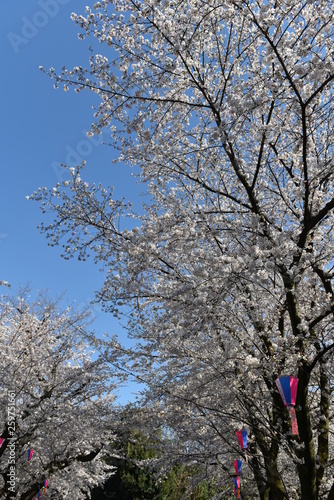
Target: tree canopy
56, 401
226, 108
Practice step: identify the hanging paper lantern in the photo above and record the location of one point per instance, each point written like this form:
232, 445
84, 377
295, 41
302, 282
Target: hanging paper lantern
2, 440
30, 454
237, 466
287, 387
237, 486
45, 483
38, 495
242, 438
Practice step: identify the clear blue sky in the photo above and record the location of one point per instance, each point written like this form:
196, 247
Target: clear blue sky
40, 128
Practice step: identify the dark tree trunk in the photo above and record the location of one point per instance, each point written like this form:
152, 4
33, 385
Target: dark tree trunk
331, 493
307, 469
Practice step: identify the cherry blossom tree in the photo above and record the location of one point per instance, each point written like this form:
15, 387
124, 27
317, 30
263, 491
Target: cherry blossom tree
227, 279
55, 400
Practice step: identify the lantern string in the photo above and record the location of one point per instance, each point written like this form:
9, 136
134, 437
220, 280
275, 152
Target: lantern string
294, 423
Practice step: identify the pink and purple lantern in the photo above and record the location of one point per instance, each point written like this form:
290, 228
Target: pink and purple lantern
237, 486
30, 454
242, 438
287, 387
237, 466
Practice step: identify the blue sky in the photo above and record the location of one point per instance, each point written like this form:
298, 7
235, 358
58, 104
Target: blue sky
40, 128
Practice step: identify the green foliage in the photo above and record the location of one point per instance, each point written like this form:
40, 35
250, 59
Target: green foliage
178, 486
133, 480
